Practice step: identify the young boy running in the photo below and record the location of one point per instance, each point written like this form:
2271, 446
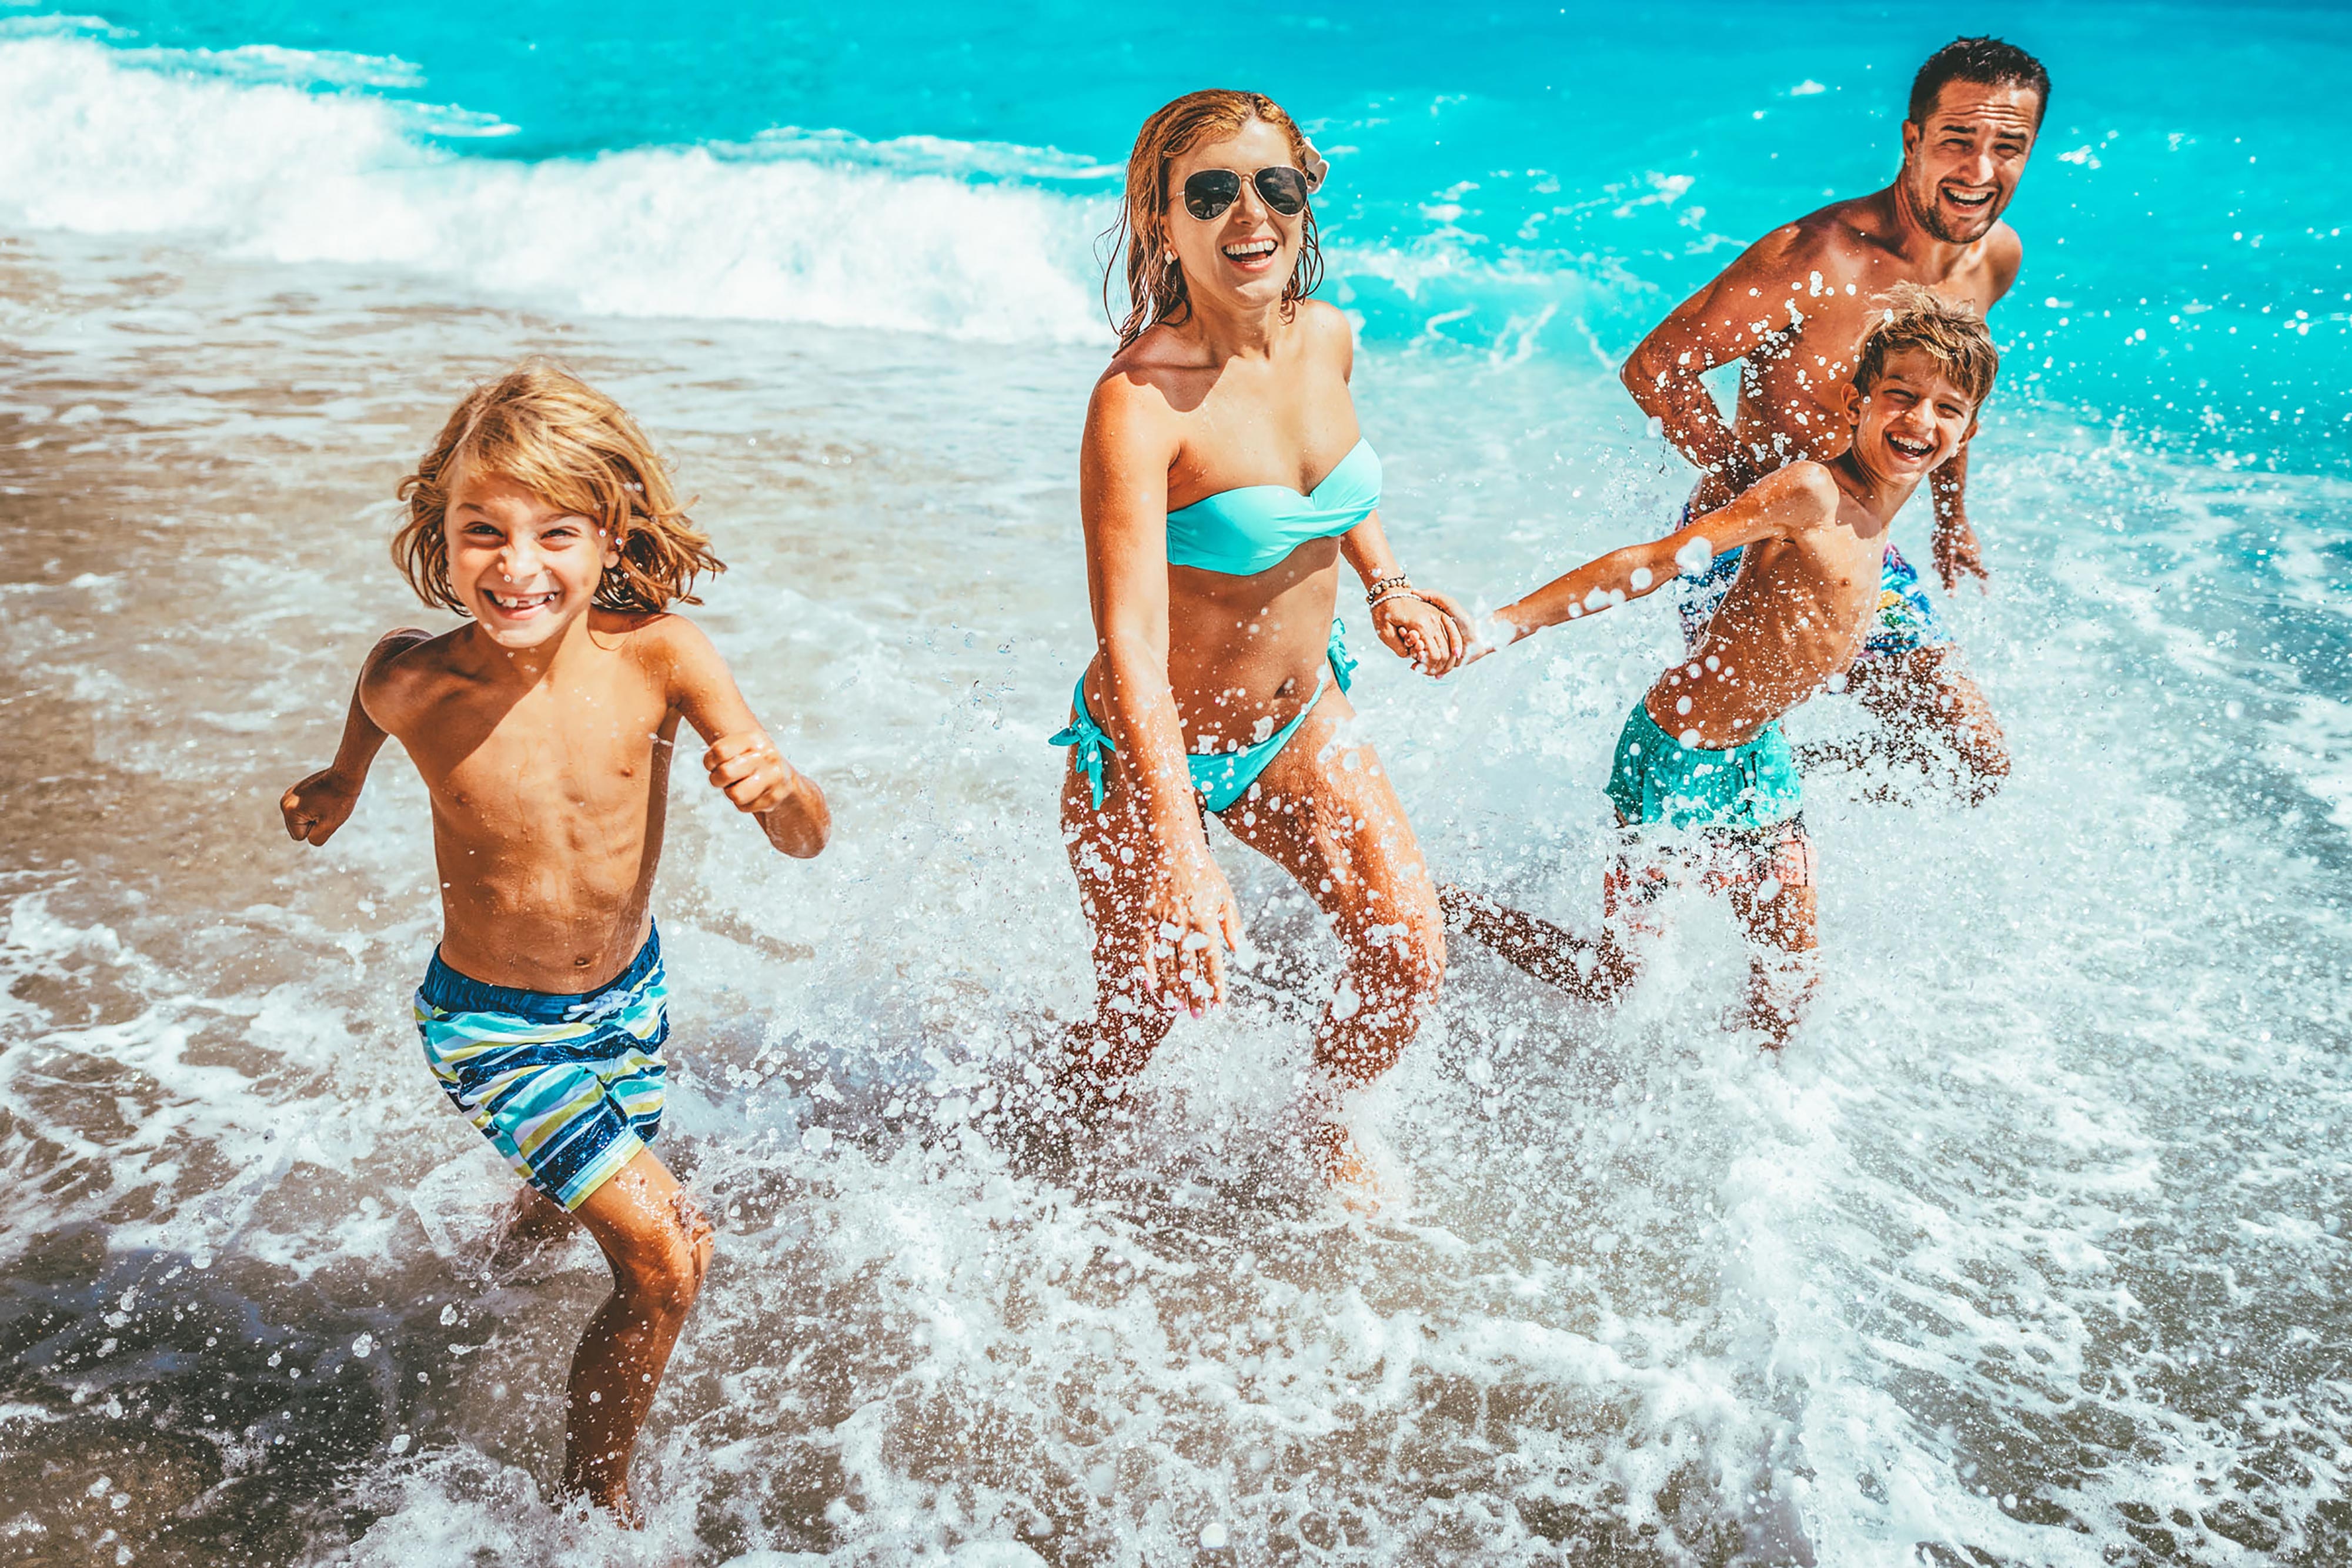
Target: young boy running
544, 729
1702, 752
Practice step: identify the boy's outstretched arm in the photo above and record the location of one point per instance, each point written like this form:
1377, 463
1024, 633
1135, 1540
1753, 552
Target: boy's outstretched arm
1781, 503
741, 760
321, 804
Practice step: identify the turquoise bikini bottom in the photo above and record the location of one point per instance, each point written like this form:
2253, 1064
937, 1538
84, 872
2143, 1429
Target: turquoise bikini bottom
1220, 776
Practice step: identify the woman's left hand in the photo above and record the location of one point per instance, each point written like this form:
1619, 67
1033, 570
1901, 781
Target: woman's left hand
1423, 626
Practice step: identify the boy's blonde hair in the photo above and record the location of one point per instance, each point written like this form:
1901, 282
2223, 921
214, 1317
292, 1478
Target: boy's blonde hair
553, 434
1953, 335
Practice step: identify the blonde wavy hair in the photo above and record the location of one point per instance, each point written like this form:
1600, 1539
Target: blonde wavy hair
1915, 316
549, 431
1155, 282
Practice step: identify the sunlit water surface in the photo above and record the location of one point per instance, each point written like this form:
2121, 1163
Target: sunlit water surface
2027, 1252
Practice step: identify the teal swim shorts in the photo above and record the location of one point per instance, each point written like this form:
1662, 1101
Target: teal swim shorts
1656, 778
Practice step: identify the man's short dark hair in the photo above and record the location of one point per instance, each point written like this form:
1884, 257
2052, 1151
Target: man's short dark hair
1987, 62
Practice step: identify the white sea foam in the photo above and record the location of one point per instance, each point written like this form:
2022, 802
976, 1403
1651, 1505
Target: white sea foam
793, 227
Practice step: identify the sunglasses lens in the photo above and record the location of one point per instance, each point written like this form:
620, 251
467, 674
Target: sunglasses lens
1284, 189
1211, 192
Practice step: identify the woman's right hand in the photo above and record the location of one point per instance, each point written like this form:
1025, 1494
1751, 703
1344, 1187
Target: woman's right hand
1191, 923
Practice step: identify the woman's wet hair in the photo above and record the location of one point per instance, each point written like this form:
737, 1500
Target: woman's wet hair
1986, 62
1916, 317
566, 442
1155, 283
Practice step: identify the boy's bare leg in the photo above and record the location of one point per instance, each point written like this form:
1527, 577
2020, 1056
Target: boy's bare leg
533, 1224
1782, 963
1591, 968
659, 1244
1930, 690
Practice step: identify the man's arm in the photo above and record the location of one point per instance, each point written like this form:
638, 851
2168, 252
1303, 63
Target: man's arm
1953, 539
742, 761
1750, 301
1781, 505
324, 801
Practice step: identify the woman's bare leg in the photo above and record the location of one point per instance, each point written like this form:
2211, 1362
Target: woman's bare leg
1110, 848
1325, 812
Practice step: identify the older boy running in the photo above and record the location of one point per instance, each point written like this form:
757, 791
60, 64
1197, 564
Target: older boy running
1703, 780
1794, 307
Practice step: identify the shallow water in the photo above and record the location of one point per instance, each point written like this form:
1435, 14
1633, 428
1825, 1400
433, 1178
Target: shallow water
2028, 1252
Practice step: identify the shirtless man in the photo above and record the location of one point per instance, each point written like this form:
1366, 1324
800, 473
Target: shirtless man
1794, 307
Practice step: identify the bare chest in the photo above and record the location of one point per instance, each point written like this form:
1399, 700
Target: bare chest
548, 758
1819, 591
1289, 432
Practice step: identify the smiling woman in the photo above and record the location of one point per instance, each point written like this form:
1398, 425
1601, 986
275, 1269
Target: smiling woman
1223, 479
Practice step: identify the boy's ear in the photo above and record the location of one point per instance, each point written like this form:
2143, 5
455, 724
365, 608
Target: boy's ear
1853, 396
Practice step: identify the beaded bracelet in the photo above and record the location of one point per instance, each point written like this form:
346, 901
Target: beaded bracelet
1388, 587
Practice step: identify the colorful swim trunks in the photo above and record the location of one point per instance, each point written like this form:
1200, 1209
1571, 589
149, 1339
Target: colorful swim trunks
1905, 620
1744, 806
568, 1087
1656, 778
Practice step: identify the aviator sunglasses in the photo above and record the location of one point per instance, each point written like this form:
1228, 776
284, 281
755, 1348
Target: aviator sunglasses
1282, 188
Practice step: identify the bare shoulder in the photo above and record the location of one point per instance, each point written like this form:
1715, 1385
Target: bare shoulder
1327, 327
1132, 407
1803, 244
2004, 257
660, 640
1843, 240
407, 673
1806, 490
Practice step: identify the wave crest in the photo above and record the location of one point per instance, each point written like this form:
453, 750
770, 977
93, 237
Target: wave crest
795, 228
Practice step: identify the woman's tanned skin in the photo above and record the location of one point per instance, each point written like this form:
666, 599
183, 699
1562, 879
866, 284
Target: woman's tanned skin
1240, 391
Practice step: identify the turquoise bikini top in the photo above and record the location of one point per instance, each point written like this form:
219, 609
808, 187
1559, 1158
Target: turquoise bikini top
1242, 531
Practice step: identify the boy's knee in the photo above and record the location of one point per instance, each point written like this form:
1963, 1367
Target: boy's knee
665, 1272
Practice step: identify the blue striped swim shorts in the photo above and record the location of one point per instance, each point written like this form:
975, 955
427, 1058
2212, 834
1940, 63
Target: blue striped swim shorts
568, 1087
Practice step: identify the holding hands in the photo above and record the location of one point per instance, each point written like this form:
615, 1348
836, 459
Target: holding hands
1428, 629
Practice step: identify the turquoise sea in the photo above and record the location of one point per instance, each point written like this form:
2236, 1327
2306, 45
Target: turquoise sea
2031, 1249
